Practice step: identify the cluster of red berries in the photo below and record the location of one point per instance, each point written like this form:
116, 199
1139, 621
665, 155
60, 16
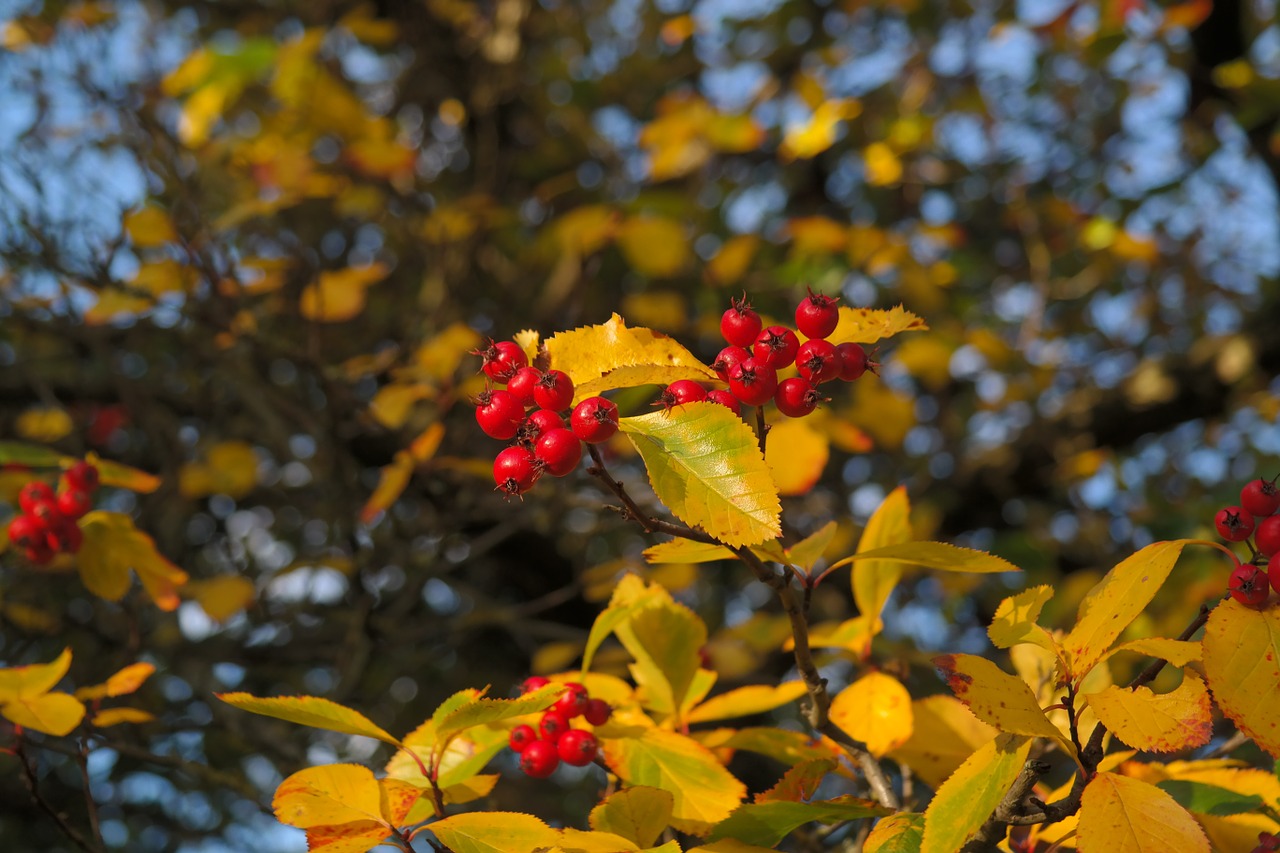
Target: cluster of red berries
555, 740
529, 411
751, 361
46, 524
1256, 523
1267, 843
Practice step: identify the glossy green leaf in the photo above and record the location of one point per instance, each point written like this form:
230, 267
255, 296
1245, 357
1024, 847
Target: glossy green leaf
1203, 798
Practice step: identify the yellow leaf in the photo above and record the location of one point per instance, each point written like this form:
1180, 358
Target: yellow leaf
585, 230
686, 551
1123, 815
965, 801
1176, 652
391, 484
51, 713
1116, 601
639, 814
944, 734
329, 794
440, 356
162, 277
1242, 664
654, 245
149, 226
1015, 620
996, 697
43, 423
664, 638
229, 468
24, 682
816, 235
494, 832
875, 709
796, 454
393, 403
222, 596
1170, 722
309, 711
124, 682
873, 580
869, 325
659, 309
117, 716
111, 304
112, 547
122, 476
730, 263
746, 701
800, 783
881, 165
339, 295
704, 792
808, 140
896, 834
730, 845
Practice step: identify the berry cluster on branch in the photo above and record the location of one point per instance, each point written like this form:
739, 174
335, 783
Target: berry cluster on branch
1256, 523
556, 740
46, 524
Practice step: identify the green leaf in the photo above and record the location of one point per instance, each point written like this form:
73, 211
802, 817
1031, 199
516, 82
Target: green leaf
34, 455
480, 711
899, 833
705, 464
768, 823
965, 801
639, 813
1203, 798
494, 832
310, 711
630, 595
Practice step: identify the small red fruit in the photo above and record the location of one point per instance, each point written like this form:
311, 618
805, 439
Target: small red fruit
559, 450
740, 324
818, 361
598, 712
522, 382
1260, 497
554, 391
521, 736
796, 397
753, 382
724, 398
499, 414
501, 359
573, 701
1267, 536
1249, 585
594, 420
679, 392
33, 493
24, 532
65, 537
47, 516
38, 554
727, 358
515, 470
552, 725
539, 759
817, 316
776, 346
532, 683
74, 503
1234, 523
539, 422
578, 747
82, 477
853, 361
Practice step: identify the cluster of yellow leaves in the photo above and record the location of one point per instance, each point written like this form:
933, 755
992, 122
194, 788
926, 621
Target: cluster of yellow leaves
228, 468
27, 697
688, 131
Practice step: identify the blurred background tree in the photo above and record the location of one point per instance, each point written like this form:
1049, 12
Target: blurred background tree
247, 247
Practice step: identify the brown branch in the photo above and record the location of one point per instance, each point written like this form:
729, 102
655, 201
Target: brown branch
33, 787
631, 510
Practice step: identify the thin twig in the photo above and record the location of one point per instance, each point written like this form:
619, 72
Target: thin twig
33, 787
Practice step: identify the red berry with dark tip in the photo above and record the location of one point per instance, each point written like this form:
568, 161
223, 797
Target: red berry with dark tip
559, 450
552, 725
598, 712
1234, 523
578, 747
817, 316
554, 391
776, 346
539, 759
24, 532
501, 359
594, 420
1260, 497
818, 361
532, 683
521, 736
38, 554
521, 384
74, 503
499, 414
66, 537
539, 422
47, 515
725, 398
82, 476
515, 470
853, 361
727, 358
1267, 536
33, 493
740, 324
796, 397
681, 391
1249, 585
753, 382
573, 701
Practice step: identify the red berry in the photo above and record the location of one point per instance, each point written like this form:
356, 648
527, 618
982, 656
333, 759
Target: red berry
532, 683
727, 358
776, 346
499, 414
38, 554
515, 470
679, 392
554, 391
1249, 585
853, 361
753, 382
1267, 536
32, 493
539, 759
594, 420
1234, 523
578, 747
47, 516
724, 398
1260, 497
559, 450
82, 477
817, 316
740, 324
521, 736
598, 712
818, 361
796, 397
74, 503
65, 537
540, 421
522, 382
24, 531
502, 359
552, 725
573, 701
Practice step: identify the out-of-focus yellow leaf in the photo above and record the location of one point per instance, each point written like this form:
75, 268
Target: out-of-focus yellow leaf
112, 547
310, 711
944, 733
122, 476
23, 682
808, 140
382, 156
229, 468
928, 358
124, 682
1242, 664
730, 263
677, 31
118, 716
654, 245
816, 235
393, 403
884, 413
1170, 722
746, 701
1123, 815
394, 477
222, 596
796, 454
149, 226
875, 709
51, 713
1128, 246
969, 796
659, 309
440, 356
585, 230
881, 165
43, 423
339, 295
869, 325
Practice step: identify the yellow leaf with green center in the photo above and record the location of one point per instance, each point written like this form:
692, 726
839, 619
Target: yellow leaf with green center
704, 463
1242, 664
899, 833
664, 638
875, 709
969, 796
1123, 815
310, 711
703, 791
112, 548
1168, 722
639, 813
1115, 602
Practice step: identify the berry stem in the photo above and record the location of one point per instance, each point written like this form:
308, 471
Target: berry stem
631, 510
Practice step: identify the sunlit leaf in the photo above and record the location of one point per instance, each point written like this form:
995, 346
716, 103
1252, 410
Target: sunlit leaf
638, 813
1169, 722
310, 711
482, 710
964, 802
1202, 798
149, 226
51, 713
1123, 815
664, 638
746, 701
996, 697
809, 139
1016, 617
796, 454
944, 734
339, 295
874, 580
120, 716
20, 682
686, 551
1242, 664
768, 823
876, 710
329, 794
229, 468
654, 245
222, 596
730, 263
1176, 652
869, 325
881, 165
900, 833
112, 548
122, 683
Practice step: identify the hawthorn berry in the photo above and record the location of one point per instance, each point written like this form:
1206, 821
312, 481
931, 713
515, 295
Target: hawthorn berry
776, 347
539, 759
47, 515
74, 503
552, 725
1267, 536
24, 532
573, 701
539, 422
818, 361
501, 359
521, 736
65, 537
559, 451
1260, 497
796, 397
82, 477
1234, 523
727, 358
1249, 585
553, 390
1267, 843
740, 324
522, 382
33, 493
679, 392
499, 414
817, 315
38, 554
515, 470
532, 683
577, 747
853, 361
598, 712
725, 398
753, 382
594, 420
